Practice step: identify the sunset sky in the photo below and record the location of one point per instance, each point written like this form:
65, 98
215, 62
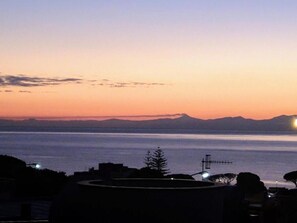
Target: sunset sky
209, 59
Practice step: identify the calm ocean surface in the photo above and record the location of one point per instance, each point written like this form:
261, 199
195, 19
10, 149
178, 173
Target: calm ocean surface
269, 156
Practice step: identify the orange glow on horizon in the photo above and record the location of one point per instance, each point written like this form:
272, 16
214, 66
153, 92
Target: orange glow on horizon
148, 58
97, 101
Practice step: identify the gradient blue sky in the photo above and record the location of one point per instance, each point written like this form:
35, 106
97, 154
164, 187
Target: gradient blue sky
205, 58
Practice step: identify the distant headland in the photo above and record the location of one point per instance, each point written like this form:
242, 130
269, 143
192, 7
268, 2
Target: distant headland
181, 124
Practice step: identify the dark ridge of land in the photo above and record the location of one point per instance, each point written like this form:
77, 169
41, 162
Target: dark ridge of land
183, 124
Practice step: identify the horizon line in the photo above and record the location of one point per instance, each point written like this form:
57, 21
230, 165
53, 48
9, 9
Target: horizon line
77, 117
131, 117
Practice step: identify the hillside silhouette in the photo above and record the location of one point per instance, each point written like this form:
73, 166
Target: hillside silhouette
182, 124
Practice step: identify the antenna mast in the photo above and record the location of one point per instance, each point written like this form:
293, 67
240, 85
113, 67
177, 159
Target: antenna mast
206, 162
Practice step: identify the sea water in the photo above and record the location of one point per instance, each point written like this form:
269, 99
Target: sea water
269, 156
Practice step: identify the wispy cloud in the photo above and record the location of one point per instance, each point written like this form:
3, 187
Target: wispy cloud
22, 80
25, 91
108, 83
26, 81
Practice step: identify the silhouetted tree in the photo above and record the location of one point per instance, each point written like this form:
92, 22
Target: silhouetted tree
159, 162
30, 181
148, 160
292, 177
11, 167
250, 183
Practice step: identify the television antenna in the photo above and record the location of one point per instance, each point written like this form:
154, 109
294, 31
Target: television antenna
207, 161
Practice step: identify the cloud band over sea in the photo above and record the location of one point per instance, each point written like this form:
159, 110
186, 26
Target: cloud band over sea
26, 81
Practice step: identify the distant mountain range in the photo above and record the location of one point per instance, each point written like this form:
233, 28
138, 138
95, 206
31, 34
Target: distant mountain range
183, 124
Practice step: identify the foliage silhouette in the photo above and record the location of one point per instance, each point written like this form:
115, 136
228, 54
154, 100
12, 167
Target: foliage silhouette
148, 160
225, 178
250, 183
159, 162
10, 167
292, 177
30, 181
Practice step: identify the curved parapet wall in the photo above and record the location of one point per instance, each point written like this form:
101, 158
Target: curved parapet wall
140, 201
